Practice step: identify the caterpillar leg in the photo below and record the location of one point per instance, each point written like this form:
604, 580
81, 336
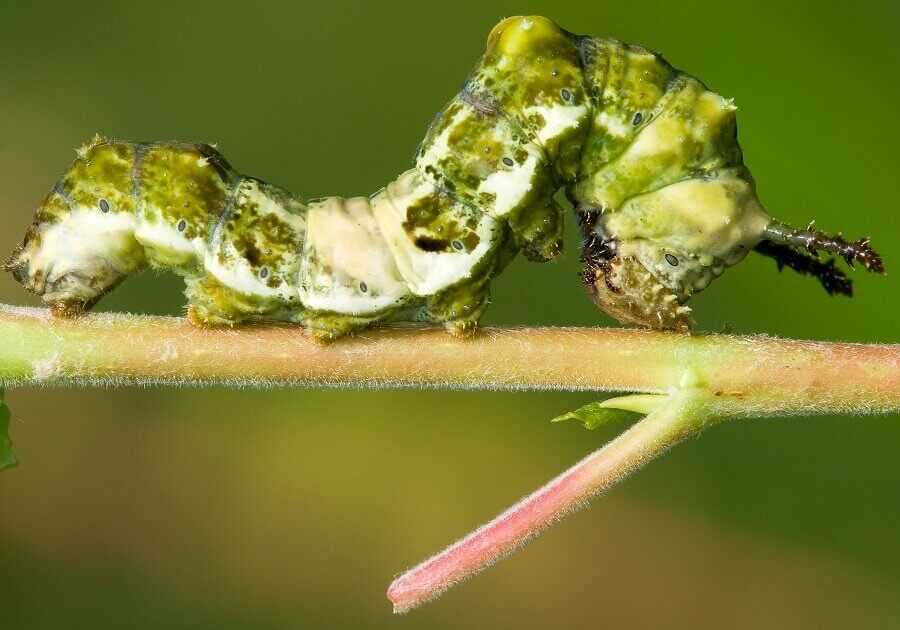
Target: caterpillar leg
212, 303
459, 309
539, 229
324, 327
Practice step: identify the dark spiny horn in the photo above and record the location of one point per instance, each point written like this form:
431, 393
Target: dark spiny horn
834, 281
814, 241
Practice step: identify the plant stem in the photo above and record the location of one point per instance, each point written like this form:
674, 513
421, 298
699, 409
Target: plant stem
700, 379
767, 376
683, 415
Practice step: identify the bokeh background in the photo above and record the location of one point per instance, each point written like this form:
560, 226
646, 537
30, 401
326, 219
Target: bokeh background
294, 508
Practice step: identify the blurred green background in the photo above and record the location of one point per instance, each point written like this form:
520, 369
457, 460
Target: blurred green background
215, 508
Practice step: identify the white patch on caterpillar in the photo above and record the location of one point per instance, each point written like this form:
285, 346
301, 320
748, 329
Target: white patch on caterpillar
85, 241
346, 266
558, 119
511, 186
613, 125
427, 273
511, 182
167, 244
241, 277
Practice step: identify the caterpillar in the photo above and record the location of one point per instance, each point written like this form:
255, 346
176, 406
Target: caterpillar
646, 154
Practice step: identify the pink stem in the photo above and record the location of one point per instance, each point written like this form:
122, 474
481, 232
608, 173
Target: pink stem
533, 514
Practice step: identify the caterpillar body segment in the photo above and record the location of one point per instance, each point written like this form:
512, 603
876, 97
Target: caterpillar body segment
646, 154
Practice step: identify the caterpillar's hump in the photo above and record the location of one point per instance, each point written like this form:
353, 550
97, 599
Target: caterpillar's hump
515, 131
533, 69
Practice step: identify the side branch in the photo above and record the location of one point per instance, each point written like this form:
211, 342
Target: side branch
768, 376
684, 413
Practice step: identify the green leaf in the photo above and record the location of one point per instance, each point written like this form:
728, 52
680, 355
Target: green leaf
593, 415
7, 458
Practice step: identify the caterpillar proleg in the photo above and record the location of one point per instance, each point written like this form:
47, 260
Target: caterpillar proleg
646, 153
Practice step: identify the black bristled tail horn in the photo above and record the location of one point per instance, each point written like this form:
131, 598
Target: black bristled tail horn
814, 241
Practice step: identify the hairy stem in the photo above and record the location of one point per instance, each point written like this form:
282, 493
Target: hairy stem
768, 376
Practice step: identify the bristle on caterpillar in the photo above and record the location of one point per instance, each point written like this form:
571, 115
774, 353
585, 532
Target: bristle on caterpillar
832, 279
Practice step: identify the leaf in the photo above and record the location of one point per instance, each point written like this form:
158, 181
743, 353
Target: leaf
7, 458
594, 415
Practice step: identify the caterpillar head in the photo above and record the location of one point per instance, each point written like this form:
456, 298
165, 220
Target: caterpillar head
81, 243
624, 289
646, 258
